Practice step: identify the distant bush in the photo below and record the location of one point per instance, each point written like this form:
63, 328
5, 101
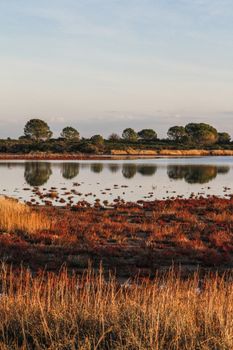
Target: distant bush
88, 148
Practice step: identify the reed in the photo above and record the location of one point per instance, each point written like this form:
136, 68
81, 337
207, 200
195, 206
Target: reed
66, 312
16, 216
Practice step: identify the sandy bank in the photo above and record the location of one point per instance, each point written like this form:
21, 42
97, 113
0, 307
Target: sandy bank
168, 152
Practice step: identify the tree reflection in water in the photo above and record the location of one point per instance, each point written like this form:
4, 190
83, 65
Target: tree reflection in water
114, 168
223, 169
70, 170
147, 169
97, 167
129, 170
37, 173
192, 174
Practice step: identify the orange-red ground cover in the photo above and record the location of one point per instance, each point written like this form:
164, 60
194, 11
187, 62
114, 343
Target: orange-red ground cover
129, 239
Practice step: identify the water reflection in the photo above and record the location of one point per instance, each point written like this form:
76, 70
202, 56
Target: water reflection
195, 173
147, 169
97, 167
129, 170
223, 169
70, 170
114, 168
37, 173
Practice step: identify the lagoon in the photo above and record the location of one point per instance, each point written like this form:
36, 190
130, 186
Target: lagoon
131, 180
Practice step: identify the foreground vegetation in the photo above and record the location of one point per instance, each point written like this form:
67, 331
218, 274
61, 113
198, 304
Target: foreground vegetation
58, 312
146, 275
17, 217
128, 239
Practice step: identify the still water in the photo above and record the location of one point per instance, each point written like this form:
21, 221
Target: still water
131, 180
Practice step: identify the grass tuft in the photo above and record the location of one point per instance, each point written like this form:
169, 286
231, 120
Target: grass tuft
67, 312
15, 216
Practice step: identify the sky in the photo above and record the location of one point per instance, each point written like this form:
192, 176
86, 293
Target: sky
104, 65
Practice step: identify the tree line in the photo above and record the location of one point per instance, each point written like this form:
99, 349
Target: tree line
192, 133
38, 137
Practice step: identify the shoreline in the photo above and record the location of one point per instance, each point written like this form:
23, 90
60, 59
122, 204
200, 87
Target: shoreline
117, 155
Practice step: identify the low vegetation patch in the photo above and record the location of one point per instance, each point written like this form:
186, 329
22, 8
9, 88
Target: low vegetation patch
15, 216
129, 238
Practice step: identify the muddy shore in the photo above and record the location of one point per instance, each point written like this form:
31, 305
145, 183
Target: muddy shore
116, 155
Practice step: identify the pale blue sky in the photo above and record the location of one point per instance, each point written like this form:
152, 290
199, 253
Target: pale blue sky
103, 65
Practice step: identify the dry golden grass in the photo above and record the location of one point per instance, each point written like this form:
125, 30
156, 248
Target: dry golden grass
61, 312
18, 216
171, 152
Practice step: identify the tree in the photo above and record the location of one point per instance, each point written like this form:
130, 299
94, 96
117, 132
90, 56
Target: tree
203, 134
177, 133
70, 133
114, 137
130, 135
147, 134
37, 129
97, 140
224, 137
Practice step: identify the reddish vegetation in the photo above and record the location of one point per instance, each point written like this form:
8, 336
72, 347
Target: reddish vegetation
116, 154
67, 156
130, 238
50, 156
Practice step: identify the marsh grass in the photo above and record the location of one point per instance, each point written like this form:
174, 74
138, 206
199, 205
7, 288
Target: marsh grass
66, 312
18, 216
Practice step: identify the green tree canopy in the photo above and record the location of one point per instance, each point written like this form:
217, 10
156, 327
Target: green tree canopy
224, 137
114, 137
147, 134
97, 140
130, 135
201, 133
37, 129
70, 133
177, 133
